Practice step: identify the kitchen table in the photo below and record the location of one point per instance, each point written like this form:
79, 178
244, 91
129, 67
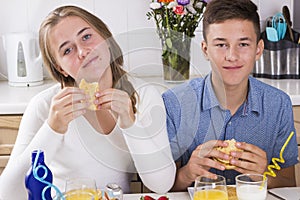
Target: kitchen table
175, 196
171, 195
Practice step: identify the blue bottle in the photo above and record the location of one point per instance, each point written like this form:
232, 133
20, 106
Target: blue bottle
38, 178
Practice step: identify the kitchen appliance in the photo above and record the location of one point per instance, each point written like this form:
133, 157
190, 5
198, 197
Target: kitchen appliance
24, 63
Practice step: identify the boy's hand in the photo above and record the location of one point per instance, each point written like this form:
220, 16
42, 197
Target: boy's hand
252, 160
201, 160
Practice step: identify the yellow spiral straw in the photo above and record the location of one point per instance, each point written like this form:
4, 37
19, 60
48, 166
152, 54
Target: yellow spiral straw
275, 165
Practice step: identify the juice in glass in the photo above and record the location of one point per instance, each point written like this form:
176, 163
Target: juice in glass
82, 194
210, 195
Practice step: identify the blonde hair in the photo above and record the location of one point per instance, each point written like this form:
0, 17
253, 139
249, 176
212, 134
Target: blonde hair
120, 80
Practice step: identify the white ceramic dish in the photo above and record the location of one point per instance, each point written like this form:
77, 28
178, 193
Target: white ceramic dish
191, 192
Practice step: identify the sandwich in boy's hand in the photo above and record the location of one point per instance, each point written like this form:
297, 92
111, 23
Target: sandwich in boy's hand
90, 89
231, 147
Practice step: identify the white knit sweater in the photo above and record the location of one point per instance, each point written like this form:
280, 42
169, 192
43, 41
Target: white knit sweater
83, 152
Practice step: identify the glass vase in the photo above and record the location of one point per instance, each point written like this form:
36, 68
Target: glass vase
176, 48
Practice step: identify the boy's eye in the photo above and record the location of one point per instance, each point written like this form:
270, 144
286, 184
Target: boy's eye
221, 45
244, 44
86, 37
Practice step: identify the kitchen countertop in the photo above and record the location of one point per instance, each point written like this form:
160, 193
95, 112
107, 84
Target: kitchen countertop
289, 86
15, 99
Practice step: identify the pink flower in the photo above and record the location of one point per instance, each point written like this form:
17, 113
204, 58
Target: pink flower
179, 10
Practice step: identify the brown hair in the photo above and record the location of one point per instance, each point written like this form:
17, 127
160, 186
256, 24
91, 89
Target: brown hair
218, 11
120, 80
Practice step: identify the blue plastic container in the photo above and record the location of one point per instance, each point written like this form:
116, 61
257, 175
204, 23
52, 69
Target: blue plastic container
37, 178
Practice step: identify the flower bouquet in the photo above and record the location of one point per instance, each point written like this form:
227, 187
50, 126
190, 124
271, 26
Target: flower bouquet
176, 22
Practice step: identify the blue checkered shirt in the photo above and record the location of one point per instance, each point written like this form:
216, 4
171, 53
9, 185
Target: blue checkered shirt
195, 116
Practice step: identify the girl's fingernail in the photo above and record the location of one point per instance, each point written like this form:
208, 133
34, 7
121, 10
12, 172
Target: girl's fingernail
97, 94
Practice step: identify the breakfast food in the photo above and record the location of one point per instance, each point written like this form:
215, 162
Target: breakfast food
147, 197
231, 147
90, 89
231, 191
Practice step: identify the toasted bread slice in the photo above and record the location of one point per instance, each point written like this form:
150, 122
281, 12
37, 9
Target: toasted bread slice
90, 89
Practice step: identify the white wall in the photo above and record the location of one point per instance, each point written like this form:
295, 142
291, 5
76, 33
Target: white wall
296, 21
126, 19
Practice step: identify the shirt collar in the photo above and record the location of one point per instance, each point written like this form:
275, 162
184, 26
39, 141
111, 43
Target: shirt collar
210, 100
252, 103
253, 100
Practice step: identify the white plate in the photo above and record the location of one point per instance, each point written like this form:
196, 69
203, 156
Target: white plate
191, 192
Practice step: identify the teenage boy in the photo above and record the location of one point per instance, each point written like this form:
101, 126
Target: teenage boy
229, 103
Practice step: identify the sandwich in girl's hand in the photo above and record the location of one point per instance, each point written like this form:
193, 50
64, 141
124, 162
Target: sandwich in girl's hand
231, 147
90, 89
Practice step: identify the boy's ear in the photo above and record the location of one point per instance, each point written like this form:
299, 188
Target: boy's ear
260, 49
204, 49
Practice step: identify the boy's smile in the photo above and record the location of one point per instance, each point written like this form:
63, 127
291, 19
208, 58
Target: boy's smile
232, 50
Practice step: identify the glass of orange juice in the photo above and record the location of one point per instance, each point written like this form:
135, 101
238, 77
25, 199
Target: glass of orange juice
210, 189
81, 185
76, 195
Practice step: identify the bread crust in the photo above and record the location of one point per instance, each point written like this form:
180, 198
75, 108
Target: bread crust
90, 89
231, 147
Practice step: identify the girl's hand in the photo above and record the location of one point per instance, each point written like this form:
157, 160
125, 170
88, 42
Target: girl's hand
119, 102
65, 106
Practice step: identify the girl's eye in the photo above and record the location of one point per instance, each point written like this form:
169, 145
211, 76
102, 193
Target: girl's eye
86, 37
67, 51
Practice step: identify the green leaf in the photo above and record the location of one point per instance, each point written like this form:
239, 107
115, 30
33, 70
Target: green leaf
169, 42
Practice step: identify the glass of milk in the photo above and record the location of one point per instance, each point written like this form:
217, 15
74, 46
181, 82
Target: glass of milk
251, 186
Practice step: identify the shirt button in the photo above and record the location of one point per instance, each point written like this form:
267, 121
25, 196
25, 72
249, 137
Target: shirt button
229, 123
228, 180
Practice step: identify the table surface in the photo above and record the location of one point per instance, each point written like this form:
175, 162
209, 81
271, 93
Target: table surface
185, 195
173, 196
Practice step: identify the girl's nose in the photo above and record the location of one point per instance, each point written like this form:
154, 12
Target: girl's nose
82, 52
